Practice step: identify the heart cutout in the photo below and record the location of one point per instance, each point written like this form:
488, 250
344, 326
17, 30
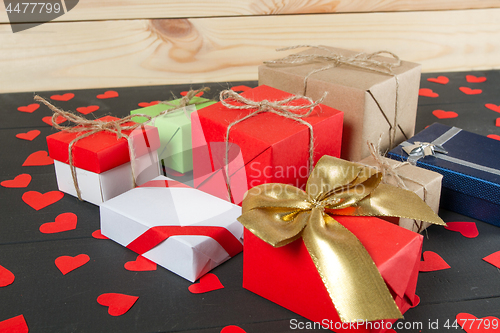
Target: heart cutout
87, 109
108, 94
467, 229
208, 282
28, 135
493, 259
118, 303
48, 120
432, 262
37, 200
426, 92
29, 108
493, 107
145, 104
63, 222
14, 325
67, 264
493, 136
439, 79
441, 114
469, 91
184, 93
6, 277
497, 122
19, 181
232, 329
475, 79
240, 88
98, 235
472, 324
65, 97
140, 264
38, 158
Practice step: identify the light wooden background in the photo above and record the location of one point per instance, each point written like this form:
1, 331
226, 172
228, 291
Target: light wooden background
104, 43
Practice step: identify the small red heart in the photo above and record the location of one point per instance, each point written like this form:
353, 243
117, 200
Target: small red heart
28, 135
493, 259
146, 104
439, 79
29, 108
493, 136
19, 181
108, 94
14, 325
67, 264
6, 277
493, 107
184, 93
37, 200
427, 92
469, 91
432, 262
97, 235
472, 324
141, 264
40, 157
66, 97
497, 122
475, 79
87, 109
240, 88
232, 329
467, 229
48, 120
63, 222
118, 303
208, 282
441, 114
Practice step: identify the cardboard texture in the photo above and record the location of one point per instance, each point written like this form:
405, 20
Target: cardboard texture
164, 202
287, 275
272, 148
175, 132
367, 98
425, 183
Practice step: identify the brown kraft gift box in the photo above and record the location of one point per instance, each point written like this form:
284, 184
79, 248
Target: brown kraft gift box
367, 97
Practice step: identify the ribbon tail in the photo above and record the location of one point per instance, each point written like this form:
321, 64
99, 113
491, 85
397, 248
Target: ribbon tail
352, 279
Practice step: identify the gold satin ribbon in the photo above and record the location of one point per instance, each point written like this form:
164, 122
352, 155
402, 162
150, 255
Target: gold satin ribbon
280, 214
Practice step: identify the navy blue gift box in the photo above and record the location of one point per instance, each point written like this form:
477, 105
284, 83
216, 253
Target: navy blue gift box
470, 169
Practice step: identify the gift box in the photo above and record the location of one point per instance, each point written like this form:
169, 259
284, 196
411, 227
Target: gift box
469, 165
187, 231
425, 183
265, 148
365, 91
102, 161
175, 131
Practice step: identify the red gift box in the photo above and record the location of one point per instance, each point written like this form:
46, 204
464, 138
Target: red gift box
274, 149
287, 275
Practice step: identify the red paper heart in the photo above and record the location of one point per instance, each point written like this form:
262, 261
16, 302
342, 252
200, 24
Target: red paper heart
67, 264
40, 157
432, 262
493, 259
14, 325
232, 329
48, 120
140, 264
493, 136
472, 324
87, 109
475, 79
208, 282
493, 107
28, 135
63, 222
29, 108
467, 229
97, 235
37, 200
497, 122
66, 97
19, 181
184, 93
118, 303
146, 104
240, 88
6, 277
108, 94
441, 114
469, 91
426, 92
439, 79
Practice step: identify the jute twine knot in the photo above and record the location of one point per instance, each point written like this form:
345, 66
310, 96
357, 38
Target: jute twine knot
187, 100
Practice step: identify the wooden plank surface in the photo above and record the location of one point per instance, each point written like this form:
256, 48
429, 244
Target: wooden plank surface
144, 52
90, 10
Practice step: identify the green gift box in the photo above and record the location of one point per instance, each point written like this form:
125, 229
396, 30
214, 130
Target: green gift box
175, 131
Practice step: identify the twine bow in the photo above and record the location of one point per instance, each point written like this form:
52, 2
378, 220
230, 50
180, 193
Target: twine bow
185, 101
280, 214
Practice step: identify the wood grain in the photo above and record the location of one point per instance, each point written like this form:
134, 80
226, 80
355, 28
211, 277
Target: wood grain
154, 52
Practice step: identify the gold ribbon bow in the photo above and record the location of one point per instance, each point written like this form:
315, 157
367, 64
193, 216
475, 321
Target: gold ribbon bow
280, 214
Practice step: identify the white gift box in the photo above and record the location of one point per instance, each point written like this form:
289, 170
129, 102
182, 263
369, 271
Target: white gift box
163, 202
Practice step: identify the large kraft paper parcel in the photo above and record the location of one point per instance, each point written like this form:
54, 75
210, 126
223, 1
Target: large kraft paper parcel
367, 98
